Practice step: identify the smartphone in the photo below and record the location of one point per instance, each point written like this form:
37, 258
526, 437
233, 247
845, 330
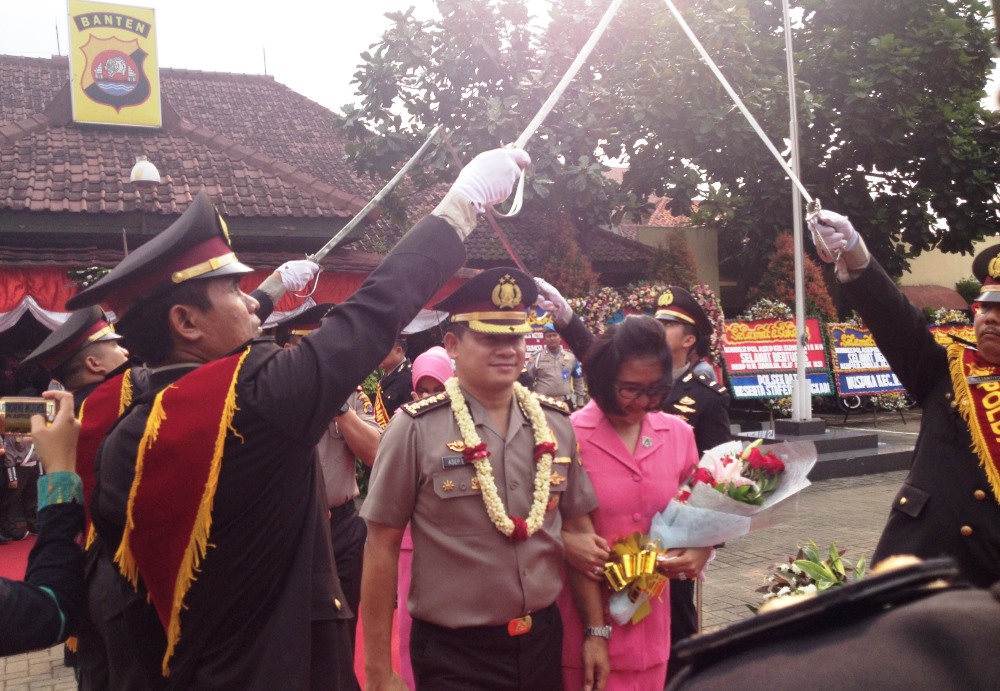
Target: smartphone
17, 412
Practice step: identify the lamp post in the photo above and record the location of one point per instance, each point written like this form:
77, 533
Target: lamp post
144, 176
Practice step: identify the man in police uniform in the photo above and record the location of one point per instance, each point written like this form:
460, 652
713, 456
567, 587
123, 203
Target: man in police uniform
701, 402
186, 478
555, 371
353, 434
81, 352
950, 501
484, 585
395, 387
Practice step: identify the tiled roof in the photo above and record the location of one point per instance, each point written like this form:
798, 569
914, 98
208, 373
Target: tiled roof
259, 148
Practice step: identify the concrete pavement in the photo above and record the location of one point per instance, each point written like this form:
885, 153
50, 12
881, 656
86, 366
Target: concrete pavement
849, 511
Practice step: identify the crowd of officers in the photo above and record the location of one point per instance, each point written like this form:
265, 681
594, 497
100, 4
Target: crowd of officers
224, 546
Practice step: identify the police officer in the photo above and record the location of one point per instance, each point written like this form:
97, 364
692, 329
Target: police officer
192, 463
701, 402
352, 434
555, 371
395, 387
486, 498
81, 352
950, 501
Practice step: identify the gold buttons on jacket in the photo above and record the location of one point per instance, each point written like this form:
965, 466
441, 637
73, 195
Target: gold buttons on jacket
966, 530
979, 494
902, 500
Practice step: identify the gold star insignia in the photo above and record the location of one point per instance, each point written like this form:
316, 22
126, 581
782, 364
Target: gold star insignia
556, 478
447, 485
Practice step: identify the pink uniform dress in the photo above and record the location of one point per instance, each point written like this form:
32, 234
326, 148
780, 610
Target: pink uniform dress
631, 488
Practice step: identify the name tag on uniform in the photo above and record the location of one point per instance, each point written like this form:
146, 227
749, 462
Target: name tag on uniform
452, 462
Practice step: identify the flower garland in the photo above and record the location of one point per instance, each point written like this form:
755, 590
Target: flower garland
475, 452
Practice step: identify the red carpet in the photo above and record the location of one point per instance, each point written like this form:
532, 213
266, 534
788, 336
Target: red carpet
14, 558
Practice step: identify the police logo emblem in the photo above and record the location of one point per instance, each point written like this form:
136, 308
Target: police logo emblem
506, 294
994, 267
114, 75
667, 298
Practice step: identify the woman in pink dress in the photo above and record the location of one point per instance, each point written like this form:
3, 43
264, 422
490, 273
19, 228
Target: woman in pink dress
636, 457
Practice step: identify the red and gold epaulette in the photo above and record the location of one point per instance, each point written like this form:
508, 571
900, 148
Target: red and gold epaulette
415, 408
553, 403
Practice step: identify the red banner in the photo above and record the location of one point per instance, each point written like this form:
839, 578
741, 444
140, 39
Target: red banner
768, 345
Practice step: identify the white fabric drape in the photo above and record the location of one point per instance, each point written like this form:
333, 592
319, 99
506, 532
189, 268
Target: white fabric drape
51, 320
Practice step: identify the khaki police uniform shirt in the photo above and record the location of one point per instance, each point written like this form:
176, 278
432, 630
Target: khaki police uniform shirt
465, 571
557, 375
337, 460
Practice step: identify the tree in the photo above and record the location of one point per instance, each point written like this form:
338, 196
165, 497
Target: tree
672, 262
776, 283
892, 131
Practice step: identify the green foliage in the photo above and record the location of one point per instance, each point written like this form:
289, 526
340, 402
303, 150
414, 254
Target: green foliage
968, 288
672, 262
84, 278
778, 281
808, 573
892, 132
562, 262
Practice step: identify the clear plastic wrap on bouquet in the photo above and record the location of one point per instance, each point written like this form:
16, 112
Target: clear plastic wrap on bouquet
708, 517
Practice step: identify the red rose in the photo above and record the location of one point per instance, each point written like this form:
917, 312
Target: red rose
769, 463
703, 475
683, 496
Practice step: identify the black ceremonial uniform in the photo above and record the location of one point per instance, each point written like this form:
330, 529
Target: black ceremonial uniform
946, 506
703, 404
260, 611
395, 387
891, 631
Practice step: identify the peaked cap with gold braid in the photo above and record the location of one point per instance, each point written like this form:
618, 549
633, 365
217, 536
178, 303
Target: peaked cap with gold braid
196, 245
986, 268
493, 302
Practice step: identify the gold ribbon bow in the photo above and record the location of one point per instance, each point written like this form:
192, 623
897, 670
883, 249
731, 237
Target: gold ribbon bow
635, 569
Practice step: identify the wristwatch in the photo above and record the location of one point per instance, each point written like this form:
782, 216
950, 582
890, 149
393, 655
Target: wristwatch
602, 631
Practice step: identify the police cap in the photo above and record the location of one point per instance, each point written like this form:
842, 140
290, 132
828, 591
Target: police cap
195, 246
493, 302
986, 268
676, 305
83, 327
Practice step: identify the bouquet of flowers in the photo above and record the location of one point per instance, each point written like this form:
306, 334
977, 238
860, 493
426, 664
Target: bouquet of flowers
732, 484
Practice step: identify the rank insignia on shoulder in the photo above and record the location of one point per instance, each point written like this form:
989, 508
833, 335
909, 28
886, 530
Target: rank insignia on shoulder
553, 403
415, 408
687, 377
687, 400
683, 408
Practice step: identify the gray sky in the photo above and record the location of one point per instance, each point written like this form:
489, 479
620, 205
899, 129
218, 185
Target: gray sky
313, 46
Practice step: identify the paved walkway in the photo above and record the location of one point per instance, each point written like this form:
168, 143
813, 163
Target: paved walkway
848, 511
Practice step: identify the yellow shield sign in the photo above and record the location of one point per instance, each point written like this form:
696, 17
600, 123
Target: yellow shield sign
113, 59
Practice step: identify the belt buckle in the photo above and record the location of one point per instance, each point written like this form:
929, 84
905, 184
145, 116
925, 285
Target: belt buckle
519, 626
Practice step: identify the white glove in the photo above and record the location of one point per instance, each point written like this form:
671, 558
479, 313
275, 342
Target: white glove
490, 176
550, 300
295, 275
835, 231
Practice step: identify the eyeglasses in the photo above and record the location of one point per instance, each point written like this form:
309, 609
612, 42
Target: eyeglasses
630, 392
